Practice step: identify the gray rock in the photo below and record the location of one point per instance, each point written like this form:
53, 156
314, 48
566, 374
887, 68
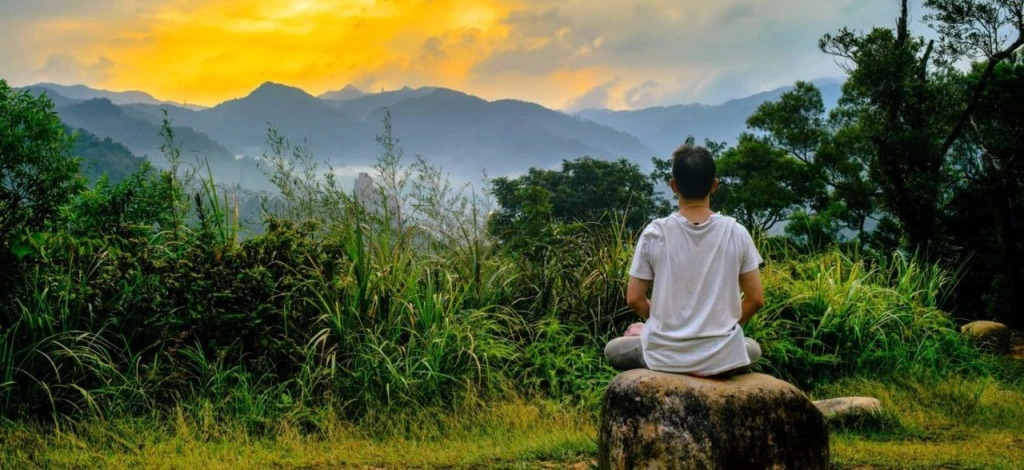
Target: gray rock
991, 335
654, 420
848, 406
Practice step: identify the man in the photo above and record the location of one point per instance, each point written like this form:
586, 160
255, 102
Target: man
698, 262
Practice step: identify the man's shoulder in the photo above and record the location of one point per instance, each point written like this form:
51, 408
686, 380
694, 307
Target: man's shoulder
656, 227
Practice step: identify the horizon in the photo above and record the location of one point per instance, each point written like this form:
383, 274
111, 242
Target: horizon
363, 92
562, 57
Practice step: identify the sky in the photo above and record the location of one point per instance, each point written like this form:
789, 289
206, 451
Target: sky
569, 54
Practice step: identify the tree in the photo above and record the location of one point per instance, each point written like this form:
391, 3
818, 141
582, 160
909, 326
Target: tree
797, 124
37, 172
910, 120
761, 185
988, 200
585, 190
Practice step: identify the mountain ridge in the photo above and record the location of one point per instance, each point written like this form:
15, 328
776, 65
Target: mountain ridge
462, 133
83, 93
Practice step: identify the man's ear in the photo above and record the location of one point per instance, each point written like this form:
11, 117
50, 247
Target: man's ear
672, 183
714, 186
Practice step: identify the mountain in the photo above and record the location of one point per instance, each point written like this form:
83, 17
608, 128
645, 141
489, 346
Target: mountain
666, 127
142, 137
103, 118
461, 133
103, 156
56, 98
242, 124
82, 93
465, 134
347, 93
361, 107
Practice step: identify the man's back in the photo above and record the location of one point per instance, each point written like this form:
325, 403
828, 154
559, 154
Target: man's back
695, 306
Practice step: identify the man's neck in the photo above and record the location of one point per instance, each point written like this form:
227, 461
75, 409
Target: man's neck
697, 211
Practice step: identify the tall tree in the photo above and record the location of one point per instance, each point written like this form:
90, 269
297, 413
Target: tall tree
761, 185
585, 190
798, 125
991, 160
37, 172
909, 118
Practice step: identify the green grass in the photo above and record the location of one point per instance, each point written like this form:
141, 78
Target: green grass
506, 435
926, 423
949, 423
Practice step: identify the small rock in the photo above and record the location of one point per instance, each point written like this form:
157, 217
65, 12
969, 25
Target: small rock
991, 335
848, 406
658, 420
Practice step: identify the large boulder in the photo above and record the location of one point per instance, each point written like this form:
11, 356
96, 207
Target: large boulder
654, 420
991, 335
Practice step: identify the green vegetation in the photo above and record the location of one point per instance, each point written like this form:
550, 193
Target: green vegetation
141, 328
104, 157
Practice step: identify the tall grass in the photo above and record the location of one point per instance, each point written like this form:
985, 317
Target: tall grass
829, 315
368, 310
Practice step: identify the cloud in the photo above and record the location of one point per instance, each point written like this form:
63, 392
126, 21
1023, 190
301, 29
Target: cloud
433, 48
595, 98
206, 51
644, 95
66, 68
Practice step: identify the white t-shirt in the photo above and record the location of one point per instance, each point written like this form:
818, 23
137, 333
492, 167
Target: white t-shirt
695, 306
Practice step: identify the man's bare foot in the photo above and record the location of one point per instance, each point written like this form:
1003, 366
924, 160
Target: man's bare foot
634, 329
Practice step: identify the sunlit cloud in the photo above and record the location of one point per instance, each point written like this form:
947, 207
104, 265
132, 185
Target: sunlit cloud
571, 53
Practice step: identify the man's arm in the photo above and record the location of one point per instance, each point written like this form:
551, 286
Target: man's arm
636, 296
753, 295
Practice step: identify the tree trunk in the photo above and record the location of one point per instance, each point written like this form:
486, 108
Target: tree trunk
1009, 259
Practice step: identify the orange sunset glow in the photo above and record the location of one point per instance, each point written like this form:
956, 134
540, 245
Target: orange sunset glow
559, 54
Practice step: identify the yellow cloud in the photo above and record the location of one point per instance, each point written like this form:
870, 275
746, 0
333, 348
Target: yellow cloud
553, 53
209, 52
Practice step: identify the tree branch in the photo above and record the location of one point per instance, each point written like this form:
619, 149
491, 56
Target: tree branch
961, 123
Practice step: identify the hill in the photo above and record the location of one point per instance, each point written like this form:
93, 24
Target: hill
347, 93
466, 134
362, 107
82, 93
56, 98
103, 156
665, 127
463, 133
241, 124
142, 137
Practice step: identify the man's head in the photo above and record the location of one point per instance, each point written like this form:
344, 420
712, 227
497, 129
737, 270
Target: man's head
693, 172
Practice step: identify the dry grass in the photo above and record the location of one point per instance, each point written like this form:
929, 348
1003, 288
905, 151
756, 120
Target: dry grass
953, 423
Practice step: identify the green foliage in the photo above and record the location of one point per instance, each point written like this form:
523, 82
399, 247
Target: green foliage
103, 157
37, 173
584, 190
985, 214
131, 209
829, 316
761, 186
416, 299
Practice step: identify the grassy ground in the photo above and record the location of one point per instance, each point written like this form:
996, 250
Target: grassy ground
949, 423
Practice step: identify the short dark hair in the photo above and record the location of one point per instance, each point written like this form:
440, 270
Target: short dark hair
693, 169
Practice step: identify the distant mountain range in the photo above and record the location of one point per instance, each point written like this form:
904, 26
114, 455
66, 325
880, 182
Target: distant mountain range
461, 133
346, 93
666, 127
82, 92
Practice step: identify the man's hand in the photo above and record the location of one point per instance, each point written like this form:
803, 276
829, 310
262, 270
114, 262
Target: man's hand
636, 296
753, 295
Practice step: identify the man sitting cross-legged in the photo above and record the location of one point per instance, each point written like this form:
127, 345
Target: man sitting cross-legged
698, 262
